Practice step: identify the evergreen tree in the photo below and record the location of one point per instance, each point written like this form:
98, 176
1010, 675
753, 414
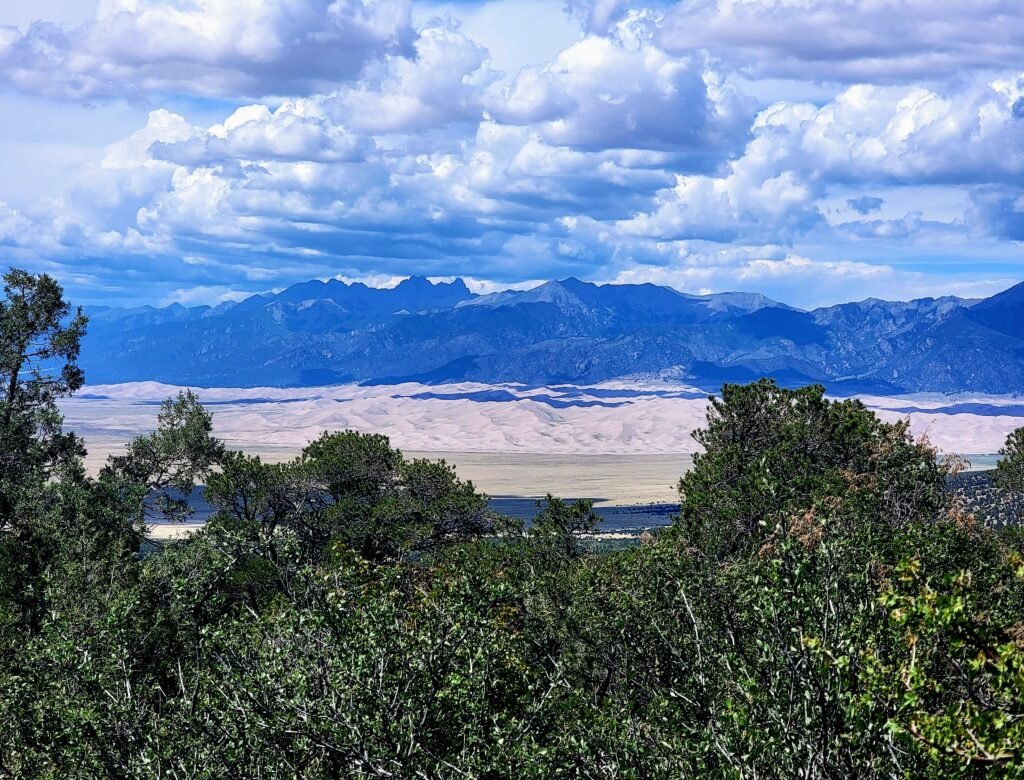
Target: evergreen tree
40, 338
1010, 469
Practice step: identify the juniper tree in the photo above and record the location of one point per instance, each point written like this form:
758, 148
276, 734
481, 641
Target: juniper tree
40, 338
1010, 469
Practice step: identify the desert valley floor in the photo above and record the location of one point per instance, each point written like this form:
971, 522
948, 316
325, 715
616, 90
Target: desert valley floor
622, 444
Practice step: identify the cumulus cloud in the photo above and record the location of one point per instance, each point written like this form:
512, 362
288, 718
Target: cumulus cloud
135, 48
910, 225
866, 135
106, 196
621, 91
510, 172
352, 144
875, 41
296, 130
741, 205
903, 134
443, 83
203, 295
801, 281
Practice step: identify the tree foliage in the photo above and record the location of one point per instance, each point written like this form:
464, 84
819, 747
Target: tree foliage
162, 467
959, 667
770, 453
819, 610
354, 490
1010, 468
39, 346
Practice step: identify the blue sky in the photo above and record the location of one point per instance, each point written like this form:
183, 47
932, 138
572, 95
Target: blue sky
814, 150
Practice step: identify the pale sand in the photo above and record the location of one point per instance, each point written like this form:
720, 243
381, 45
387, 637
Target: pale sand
282, 420
170, 532
614, 480
287, 419
611, 480
620, 449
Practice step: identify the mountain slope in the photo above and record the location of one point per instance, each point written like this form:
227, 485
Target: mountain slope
562, 332
1003, 313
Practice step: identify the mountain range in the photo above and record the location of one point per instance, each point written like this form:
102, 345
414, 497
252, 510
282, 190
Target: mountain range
561, 332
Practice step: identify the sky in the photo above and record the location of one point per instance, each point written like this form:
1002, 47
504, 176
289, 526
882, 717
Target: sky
816, 151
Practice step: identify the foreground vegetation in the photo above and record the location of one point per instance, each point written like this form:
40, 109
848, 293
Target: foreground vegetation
819, 608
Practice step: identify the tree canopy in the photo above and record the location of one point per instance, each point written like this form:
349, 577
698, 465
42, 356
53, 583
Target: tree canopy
1010, 468
820, 608
40, 340
771, 454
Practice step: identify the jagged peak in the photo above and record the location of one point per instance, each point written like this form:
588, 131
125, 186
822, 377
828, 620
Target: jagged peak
414, 282
419, 282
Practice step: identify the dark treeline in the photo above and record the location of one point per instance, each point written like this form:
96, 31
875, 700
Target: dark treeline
820, 607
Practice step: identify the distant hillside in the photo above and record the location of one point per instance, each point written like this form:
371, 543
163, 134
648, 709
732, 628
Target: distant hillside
562, 332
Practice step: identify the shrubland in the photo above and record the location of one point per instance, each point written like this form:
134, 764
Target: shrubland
820, 607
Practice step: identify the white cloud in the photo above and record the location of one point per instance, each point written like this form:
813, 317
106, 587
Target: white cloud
868, 135
875, 41
487, 286
902, 134
623, 92
442, 84
413, 155
14, 226
134, 48
801, 281
510, 171
106, 195
204, 295
741, 205
296, 130
516, 33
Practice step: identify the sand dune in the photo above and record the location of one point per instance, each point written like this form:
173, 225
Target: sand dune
622, 444
608, 419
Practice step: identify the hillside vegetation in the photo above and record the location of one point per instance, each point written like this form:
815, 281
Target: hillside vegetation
819, 608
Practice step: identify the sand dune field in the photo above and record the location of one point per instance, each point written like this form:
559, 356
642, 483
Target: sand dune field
625, 443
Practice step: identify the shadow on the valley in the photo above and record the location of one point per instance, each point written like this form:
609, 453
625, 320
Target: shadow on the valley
629, 517
632, 517
975, 490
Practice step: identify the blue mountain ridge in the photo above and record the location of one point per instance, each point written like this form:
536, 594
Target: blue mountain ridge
561, 332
